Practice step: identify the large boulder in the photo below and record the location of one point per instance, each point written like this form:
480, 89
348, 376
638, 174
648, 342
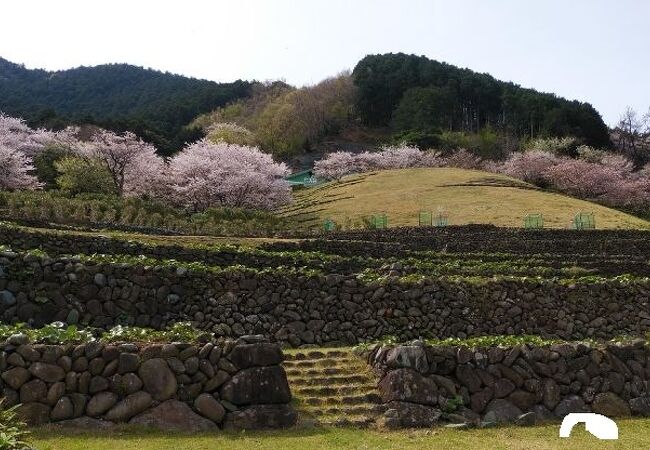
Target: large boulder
570, 404
33, 391
16, 377
411, 415
261, 416
158, 379
468, 377
131, 406
34, 413
257, 385
209, 407
610, 405
261, 354
640, 406
407, 385
408, 357
501, 411
552, 394
100, 403
523, 400
49, 373
63, 410
86, 423
173, 415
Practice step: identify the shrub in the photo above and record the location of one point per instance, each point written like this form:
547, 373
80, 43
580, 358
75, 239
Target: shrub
45, 164
555, 145
230, 133
137, 214
13, 431
81, 175
463, 159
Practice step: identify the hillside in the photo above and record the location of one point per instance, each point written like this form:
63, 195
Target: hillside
415, 94
156, 105
467, 196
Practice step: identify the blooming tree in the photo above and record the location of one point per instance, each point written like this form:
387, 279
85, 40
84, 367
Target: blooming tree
209, 174
16, 135
336, 165
134, 166
463, 159
530, 166
15, 168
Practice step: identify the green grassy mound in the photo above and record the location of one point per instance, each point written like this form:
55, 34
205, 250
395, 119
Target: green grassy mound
466, 196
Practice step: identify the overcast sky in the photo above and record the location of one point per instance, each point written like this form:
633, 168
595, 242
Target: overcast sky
590, 50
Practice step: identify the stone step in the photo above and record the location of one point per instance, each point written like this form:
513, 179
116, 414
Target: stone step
348, 421
333, 380
322, 371
334, 391
341, 400
367, 409
315, 354
325, 362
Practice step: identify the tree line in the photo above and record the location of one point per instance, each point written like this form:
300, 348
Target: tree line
415, 94
157, 106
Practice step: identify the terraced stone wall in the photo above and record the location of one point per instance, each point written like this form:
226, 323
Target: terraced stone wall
297, 308
422, 385
478, 238
189, 387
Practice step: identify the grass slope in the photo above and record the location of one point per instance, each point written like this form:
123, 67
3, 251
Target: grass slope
633, 434
467, 196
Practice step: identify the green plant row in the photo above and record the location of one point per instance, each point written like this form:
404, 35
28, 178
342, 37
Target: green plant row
58, 333
497, 341
367, 275
112, 211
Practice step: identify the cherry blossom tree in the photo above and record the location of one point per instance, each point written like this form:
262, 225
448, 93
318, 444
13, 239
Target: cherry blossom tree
338, 164
16, 135
134, 166
530, 166
207, 174
15, 168
463, 159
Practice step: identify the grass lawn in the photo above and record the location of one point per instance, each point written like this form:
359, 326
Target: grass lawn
467, 196
633, 434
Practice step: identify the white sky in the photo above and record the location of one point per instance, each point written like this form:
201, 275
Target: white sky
591, 50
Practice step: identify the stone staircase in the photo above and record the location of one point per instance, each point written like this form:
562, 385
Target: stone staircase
332, 387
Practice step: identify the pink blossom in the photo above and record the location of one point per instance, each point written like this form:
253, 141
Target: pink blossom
16, 135
15, 170
336, 165
530, 166
134, 166
209, 174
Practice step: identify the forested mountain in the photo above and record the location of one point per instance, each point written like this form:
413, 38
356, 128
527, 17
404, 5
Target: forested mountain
409, 98
155, 105
415, 94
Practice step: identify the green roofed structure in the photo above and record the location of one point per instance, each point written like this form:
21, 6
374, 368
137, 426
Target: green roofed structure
304, 178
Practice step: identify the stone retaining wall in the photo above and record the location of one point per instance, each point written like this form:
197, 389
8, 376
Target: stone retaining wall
423, 385
58, 243
180, 386
478, 238
298, 309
